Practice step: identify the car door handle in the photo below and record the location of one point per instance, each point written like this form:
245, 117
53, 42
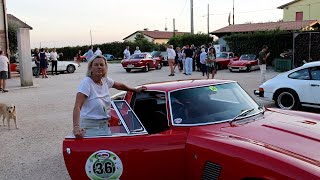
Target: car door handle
315, 85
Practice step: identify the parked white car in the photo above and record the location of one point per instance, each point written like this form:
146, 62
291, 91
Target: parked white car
289, 90
63, 66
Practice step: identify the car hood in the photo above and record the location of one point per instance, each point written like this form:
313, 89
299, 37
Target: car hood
222, 59
291, 135
239, 63
132, 60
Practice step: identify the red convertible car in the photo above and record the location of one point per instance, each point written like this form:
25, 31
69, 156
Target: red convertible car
197, 129
143, 61
247, 62
224, 58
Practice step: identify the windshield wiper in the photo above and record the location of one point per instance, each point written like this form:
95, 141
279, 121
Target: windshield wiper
243, 113
261, 109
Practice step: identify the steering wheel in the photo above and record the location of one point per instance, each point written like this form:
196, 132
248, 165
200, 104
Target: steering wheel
179, 111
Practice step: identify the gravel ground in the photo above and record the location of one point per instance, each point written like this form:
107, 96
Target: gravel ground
34, 151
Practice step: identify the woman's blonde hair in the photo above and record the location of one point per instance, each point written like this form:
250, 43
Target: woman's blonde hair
89, 73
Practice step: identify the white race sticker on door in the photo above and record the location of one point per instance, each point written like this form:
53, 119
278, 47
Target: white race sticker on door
104, 164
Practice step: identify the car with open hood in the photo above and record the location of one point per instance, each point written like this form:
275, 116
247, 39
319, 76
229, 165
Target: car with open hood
197, 129
247, 62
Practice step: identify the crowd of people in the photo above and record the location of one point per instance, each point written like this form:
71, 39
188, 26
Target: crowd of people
191, 58
42, 58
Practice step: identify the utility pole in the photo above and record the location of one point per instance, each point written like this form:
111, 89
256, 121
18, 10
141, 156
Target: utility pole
191, 7
91, 37
233, 12
174, 27
208, 20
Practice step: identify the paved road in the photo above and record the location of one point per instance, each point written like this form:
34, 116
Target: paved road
34, 151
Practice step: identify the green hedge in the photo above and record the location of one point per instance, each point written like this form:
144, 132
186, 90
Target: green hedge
114, 48
277, 41
188, 39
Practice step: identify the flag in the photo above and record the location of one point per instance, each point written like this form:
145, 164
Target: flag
229, 19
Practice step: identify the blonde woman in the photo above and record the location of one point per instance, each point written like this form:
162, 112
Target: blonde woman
91, 111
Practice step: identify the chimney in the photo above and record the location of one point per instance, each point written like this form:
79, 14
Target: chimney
146, 29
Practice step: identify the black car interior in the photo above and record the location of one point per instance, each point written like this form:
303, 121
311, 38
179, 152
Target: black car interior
150, 107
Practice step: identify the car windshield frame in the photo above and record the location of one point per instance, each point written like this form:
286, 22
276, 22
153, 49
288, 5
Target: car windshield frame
138, 56
249, 57
245, 97
222, 55
155, 53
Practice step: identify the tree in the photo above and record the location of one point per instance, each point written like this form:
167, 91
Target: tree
12, 36
139, 37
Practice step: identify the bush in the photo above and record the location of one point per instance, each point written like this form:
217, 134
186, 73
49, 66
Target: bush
114, 48
277, 41
196, 39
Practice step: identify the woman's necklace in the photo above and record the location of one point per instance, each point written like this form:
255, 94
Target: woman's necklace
98, 83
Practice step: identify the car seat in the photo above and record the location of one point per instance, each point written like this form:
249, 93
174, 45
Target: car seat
151, 116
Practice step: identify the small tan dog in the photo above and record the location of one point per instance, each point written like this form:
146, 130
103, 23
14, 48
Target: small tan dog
8, 112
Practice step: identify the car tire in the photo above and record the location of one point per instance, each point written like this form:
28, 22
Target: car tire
146, 68
230, 70
35, 71
159, 66
218, 66
287, 99
128, 70
71, 69
248, 68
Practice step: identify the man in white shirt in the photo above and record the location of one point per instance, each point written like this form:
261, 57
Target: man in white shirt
171, 56
54, 59
126, 53
203, 58
137, 50
89, 53
4, 63
98, 52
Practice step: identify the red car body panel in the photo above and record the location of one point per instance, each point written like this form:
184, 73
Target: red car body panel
267, 147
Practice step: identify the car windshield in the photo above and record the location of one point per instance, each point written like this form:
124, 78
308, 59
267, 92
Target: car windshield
138, 56
210, 104
248, 57
222, 55
155, 53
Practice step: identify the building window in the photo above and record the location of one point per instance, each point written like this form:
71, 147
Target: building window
299, 16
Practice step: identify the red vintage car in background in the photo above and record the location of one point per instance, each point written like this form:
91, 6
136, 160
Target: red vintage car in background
143, 61
247, 62
197, 129
224, 58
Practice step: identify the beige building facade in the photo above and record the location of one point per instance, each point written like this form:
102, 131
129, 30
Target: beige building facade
300, 10
4, 44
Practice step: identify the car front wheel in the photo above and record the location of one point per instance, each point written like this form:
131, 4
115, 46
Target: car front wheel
287, 99
218, 66
128, 70
248, 68
146, 68
35, 71
159, 66
70, 69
